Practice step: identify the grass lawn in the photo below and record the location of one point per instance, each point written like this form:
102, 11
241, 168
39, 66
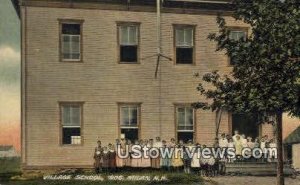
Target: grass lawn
11, 167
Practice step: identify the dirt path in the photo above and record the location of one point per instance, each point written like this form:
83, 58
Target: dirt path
252, 180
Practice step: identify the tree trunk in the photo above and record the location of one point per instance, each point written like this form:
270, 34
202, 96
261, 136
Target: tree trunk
280, 175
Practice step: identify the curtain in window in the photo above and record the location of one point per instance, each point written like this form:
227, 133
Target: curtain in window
71, 41
129, 116
184, 37
185, 119
71, 116
128, 35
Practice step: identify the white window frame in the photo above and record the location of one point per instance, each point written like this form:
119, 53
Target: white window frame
185, 118
122, 26
70, 45
184, 28
62, 107
121, 116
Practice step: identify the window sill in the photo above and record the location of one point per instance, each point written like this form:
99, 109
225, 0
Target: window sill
182, 64
70, 145
71, 61
129, 62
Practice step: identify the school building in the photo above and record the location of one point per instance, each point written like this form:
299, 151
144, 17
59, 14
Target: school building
88, 73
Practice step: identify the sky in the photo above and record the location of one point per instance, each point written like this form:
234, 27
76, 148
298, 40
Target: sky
9, 75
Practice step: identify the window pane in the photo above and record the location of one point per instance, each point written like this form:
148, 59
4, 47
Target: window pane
131, 134
66, 115
188, 37
133, 116
184, 37
71, 136
123, 35
180, 117
184, 55
237, 35
72, 29
189, 116
71, 115
179, 37
133, 35
128, 54
185, 136
128, 35
70, 41
125, 116
75, 116
66, 49
75, 44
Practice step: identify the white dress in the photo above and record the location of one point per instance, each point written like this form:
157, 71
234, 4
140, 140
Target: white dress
196, 160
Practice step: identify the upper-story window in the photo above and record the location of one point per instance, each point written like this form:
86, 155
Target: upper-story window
236, 35
184, 44
128, 42
71, 41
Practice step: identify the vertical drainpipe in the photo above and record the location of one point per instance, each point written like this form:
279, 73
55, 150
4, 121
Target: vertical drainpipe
158, 35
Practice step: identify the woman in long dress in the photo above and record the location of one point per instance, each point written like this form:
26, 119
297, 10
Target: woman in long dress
155, 163
177, 162
127, 161
98, 157
195, 164
135, 162
171, 146
165, 160
145, 160
121, 146
238, 147
105, 159
112, 157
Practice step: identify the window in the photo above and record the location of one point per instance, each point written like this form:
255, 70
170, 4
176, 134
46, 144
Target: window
70, 42
185, 123
184, 44
128, 43
71, 123
129, 121
236, 35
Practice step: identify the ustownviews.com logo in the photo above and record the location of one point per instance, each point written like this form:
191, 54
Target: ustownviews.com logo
138, 151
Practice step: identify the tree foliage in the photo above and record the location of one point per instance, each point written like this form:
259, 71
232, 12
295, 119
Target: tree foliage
266, 69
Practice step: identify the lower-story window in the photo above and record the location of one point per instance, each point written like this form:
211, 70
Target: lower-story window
185, 123
130, 121
71, 121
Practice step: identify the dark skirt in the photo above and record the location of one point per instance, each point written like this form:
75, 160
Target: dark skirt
105, 160
112, 159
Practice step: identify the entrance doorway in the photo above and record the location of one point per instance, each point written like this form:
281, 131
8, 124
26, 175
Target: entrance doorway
245, 124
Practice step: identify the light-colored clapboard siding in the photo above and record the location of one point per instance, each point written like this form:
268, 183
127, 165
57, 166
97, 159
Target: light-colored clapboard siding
101, 82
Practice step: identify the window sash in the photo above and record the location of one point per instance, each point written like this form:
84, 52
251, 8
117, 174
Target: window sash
129, 115
128, 35
184, 37
71, 46
236, 35
185, 119
71, 116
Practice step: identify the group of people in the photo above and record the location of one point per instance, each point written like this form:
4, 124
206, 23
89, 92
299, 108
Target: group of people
240, 141
107, 160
